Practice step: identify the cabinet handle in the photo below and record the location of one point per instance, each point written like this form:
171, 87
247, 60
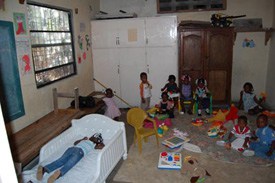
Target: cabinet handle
118, 69
117, 40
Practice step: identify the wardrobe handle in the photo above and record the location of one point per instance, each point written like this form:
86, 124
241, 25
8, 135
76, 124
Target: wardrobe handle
118, 69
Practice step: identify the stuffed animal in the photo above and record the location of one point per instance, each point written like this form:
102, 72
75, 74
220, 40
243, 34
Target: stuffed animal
220, 116
233, 113
193, 169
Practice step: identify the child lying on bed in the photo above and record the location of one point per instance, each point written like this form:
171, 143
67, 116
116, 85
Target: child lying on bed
71, 157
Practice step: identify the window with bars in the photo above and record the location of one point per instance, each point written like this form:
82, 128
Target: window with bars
170, 6
51, 43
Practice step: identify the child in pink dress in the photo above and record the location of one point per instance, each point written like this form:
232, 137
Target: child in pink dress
112, 110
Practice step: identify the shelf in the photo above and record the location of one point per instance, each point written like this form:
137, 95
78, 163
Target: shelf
268, 32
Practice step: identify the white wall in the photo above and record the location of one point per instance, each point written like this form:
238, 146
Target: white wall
39, 102
270, 84
249, 64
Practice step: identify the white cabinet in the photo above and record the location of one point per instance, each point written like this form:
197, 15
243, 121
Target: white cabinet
118, 33
124, 48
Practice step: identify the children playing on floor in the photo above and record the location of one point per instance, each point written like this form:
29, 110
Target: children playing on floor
112, 110
242, 133
186, 94
203, 96
70, 157
166, 106
251, 104
265, 145
171, 88
145, 91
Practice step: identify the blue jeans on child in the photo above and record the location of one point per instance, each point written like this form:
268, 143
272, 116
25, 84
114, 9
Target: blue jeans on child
70, 158
261, 150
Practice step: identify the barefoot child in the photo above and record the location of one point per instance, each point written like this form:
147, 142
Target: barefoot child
265, 145
112, 110
242, 133
145, 91
70, 157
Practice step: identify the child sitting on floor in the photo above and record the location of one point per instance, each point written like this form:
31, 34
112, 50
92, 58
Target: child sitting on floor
112, 110
265, 145
186, 93
203, 96
242, 133
248, 99
166, 106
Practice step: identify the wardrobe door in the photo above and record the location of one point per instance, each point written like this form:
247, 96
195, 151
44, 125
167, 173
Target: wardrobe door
192, 54
104, 34
131, 64
106, 69
218, 63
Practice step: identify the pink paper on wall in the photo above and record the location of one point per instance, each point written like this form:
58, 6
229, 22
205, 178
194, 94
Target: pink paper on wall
84, 56
26, 59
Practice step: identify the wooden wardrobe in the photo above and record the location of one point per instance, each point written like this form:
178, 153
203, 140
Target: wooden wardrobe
206, 51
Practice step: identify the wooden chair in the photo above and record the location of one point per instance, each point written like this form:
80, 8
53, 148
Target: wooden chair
136, 117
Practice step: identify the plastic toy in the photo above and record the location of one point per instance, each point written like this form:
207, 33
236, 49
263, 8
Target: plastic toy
174, 142
262, 96
170, 161
217, 129
197, 122
160, 132
193, 169
269, 113
213, 132
152, 112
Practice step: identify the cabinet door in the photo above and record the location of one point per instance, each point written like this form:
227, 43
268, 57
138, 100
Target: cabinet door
161, 62
218, 63
131, 64
161, 31
104, 34
192, 53
131, 32
106, 65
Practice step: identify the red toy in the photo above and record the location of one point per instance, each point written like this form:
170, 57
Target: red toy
233, 113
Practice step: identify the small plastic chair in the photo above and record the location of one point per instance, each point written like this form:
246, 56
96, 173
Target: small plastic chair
136, 117
196, 105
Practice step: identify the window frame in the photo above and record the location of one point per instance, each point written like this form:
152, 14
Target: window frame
71, 31
174, 5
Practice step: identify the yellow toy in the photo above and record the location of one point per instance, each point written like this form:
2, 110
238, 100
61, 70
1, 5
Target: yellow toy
220, 116
152, 112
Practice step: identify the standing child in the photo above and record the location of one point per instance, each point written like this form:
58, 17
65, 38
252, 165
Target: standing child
171, 88
249, 100
242, 133
265, 145
203, 96
166, 106
186, 93
112, 110
145, 91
